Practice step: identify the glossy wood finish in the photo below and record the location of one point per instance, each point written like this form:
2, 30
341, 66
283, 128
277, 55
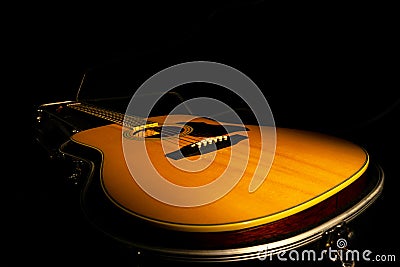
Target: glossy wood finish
308, 169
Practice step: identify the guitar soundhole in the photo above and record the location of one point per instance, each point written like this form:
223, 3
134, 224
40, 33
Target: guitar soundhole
158, 132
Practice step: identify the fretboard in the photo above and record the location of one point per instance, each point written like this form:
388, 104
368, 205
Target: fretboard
132, 122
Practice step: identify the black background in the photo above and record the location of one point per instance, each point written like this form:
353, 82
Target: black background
332, 69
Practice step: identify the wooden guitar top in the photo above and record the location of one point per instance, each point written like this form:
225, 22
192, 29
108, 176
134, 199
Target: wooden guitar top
307, 168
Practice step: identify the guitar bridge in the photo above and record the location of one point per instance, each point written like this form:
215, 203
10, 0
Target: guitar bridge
210, 140
206, 145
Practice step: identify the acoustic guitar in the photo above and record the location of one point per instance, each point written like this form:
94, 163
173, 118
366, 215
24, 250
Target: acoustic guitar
316, 184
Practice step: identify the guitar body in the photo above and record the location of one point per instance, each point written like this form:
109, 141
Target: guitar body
315, 183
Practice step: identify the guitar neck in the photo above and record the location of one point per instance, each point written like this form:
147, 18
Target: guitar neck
132, 122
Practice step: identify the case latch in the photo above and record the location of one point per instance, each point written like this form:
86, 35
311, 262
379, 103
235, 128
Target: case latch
337, 242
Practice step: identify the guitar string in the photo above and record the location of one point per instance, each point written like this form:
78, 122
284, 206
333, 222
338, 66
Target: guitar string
120, 118
129, 121
132, 122
113, 116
